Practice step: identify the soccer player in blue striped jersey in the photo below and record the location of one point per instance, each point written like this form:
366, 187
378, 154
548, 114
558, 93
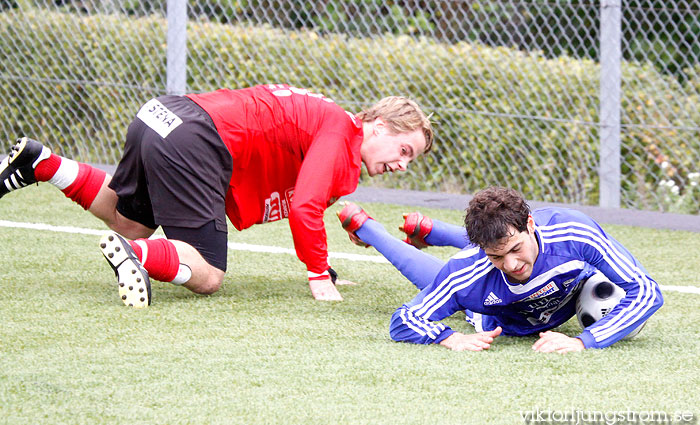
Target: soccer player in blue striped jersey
520, 275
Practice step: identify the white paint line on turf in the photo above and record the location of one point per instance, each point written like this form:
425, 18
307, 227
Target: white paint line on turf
231, 245
685, 289
279, 250
264, 248
50, 228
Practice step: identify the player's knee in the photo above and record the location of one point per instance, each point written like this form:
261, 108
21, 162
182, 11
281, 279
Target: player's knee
128, 228
132, 233
208, 287
208, 284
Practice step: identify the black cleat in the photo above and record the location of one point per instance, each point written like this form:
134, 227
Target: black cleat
17, 169
134, 284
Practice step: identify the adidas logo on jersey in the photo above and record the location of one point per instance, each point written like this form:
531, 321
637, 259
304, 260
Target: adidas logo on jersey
492, 299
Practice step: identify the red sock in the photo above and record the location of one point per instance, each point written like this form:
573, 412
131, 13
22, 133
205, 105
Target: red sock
47, 168
86, 186
78, 181
159, 258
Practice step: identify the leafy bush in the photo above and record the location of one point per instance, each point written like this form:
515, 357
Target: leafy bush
77, 81
84, 77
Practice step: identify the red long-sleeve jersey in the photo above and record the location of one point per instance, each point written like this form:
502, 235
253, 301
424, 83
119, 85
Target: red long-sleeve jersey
294, 153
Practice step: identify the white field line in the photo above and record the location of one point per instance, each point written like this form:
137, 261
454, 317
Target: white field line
278, 250
265, 248
235, 246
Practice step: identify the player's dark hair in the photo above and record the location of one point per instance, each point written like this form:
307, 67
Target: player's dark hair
490, 214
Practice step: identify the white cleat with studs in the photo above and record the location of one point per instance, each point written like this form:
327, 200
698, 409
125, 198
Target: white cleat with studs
134, 284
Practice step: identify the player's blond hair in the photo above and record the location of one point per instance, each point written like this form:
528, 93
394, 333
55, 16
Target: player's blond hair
401, 115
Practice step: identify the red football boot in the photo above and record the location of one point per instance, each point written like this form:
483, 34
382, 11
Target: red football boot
416, 226
352, 217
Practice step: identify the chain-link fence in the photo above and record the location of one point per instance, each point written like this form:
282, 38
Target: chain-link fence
561, 100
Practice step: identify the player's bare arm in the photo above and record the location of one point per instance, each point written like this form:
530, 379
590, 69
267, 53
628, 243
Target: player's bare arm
471, 342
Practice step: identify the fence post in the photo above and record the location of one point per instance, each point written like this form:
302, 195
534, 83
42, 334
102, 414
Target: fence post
610, 94
176, 72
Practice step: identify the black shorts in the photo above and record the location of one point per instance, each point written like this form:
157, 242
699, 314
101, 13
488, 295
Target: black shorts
209, 242
175, 169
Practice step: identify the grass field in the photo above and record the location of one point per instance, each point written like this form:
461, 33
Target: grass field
262, 351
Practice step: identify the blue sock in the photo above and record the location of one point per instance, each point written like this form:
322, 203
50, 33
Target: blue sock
445, 234
418, 267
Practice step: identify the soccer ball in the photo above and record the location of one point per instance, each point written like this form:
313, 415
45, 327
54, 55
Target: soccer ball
597, 298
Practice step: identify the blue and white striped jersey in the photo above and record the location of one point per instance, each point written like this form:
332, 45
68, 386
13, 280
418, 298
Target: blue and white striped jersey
571, 248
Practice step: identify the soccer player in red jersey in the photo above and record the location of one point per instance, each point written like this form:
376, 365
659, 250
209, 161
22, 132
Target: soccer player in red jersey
256, 155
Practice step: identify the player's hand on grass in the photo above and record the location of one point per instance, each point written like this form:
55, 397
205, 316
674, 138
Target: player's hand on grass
324, 290
336, 281
557, 342
471, 342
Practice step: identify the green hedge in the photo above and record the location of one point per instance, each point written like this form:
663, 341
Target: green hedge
553, 158
64, 78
